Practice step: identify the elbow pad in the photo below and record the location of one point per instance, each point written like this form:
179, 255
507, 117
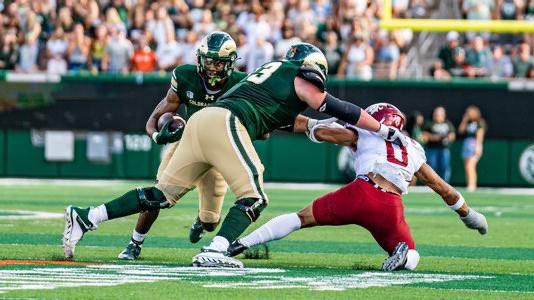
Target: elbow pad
340, 109
313, 76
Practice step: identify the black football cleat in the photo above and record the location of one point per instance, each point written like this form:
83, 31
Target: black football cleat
236, 248
196, 232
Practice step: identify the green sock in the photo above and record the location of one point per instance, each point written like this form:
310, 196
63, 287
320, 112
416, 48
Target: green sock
236, 222
125, 205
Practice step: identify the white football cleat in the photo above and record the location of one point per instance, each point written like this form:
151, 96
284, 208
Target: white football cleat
209, 258
76, 224
398, 258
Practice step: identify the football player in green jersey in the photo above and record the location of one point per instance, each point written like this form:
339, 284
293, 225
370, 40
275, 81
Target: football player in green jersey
220, 137
195, 86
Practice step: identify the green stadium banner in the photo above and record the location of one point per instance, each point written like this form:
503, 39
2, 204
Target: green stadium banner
296, 159
522, 163
81, 167
2, 153
137, 154
25, 156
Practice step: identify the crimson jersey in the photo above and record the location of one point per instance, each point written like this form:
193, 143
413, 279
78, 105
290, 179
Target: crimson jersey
395, 163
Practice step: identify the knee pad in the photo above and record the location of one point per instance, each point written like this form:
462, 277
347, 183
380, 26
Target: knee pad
251, 206
412, 259
151, 199
208, 217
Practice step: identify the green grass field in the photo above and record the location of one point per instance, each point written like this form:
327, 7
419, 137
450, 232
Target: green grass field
328, 262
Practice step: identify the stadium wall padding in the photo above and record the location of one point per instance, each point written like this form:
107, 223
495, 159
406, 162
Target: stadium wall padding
286, 158
122, 103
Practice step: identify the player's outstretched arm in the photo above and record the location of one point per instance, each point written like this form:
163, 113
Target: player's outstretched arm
471, 218
335, 134
169, 103
343, 110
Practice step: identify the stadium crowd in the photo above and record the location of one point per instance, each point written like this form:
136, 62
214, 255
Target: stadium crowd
121, 36
481, 54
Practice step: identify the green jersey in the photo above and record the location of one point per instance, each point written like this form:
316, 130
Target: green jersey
266, 99
191, 90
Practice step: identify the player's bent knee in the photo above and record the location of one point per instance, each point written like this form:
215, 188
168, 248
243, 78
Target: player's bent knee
412, 260
172, 193
151, 199
208, 217
252, 207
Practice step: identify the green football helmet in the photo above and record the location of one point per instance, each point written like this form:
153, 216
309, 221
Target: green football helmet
309, 55
216, 55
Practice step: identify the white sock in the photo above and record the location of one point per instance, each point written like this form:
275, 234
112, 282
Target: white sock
412, 260
277, 228
219, 243
138, 237
98, 214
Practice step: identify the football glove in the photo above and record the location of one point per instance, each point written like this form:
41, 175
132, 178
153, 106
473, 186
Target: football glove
475, 220
392, 134
165, 136
314, 123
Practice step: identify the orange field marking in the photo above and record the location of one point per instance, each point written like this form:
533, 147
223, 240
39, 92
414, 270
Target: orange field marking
11, 262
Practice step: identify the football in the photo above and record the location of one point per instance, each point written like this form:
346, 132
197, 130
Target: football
178, 122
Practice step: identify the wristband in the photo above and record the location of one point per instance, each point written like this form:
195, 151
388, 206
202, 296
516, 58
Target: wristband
155, 136
459, 203
383, 131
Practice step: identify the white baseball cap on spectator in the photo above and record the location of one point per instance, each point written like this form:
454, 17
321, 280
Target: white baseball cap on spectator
452, 36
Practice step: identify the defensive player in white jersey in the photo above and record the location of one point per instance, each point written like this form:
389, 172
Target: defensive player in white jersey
373, 199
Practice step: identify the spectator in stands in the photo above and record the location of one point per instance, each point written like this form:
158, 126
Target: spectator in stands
473, 128
161, 26
137, 29
87, 12
113, 20
438, 72
460, 67
446, 53
206, 24
388, 57
478, 10
65, 20
414, 127
144, 58
263, 52
332, 52
168, 53
98, 48
56, 49
478, 56
530, 73
357, 59
523, 60
500, 65
78, 49
8, 51
439, 134
27, 61
118, 53
288, 39
188, 48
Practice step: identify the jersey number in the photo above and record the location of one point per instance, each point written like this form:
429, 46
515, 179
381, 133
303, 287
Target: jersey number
260, 75
392, 158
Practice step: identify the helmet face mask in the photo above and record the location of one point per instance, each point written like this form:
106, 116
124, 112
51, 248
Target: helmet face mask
216, 55
309, 55
387, 114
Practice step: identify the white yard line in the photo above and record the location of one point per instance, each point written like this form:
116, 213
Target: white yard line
269, 185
